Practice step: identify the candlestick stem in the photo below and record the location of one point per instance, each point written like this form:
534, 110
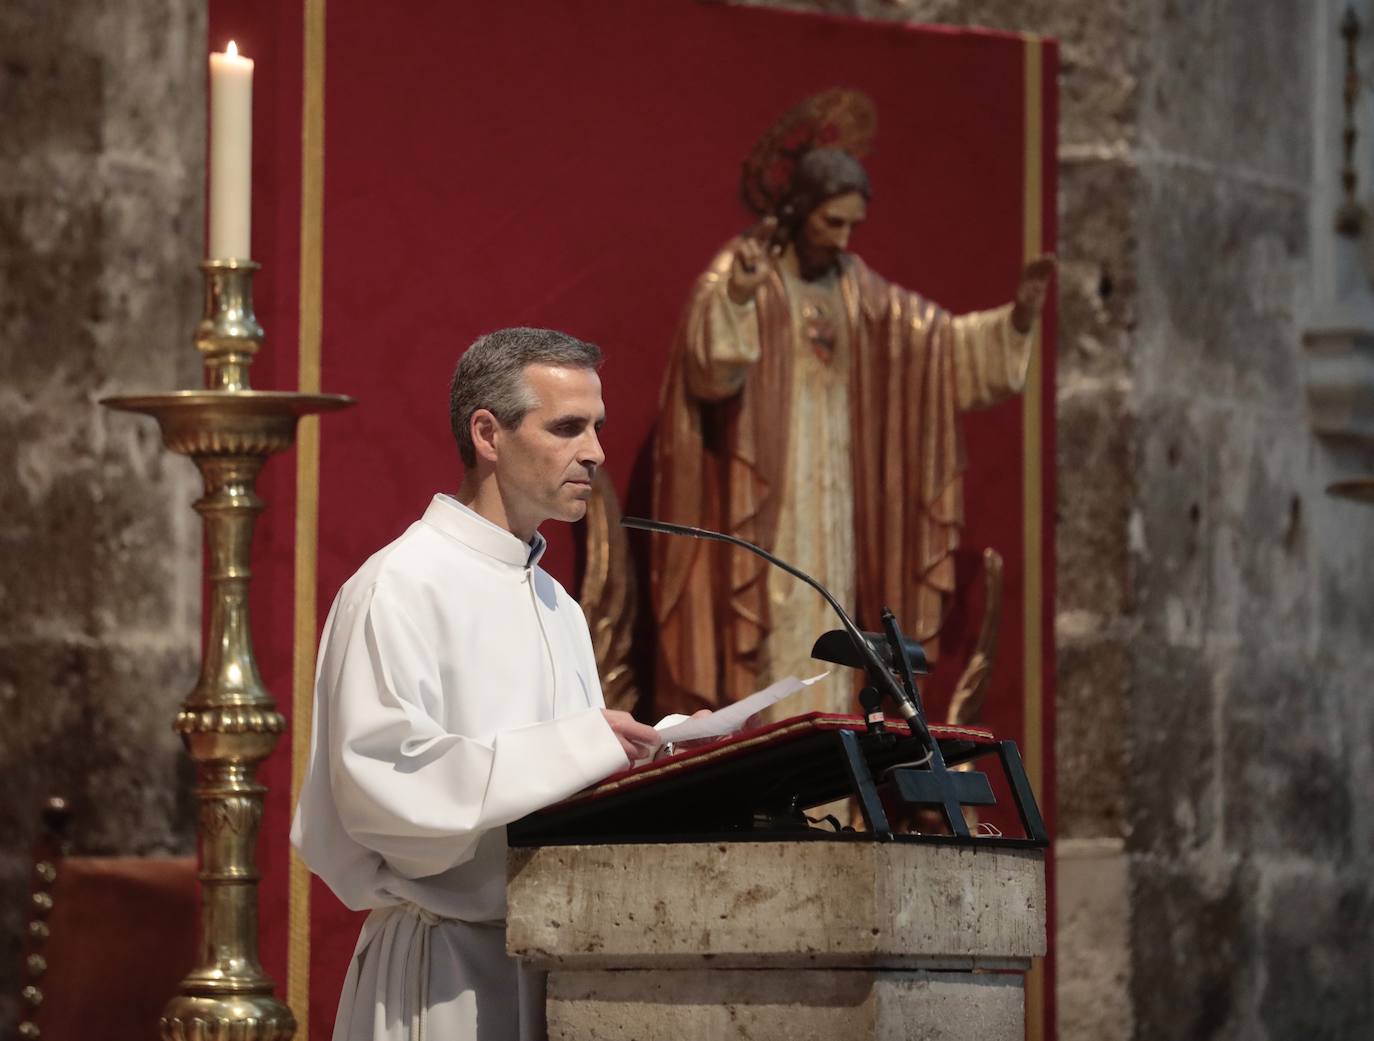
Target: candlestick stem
229, 722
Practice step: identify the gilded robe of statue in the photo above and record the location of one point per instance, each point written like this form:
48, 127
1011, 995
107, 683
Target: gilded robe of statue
818, 421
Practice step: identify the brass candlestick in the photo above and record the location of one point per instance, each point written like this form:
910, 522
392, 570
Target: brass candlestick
229, 722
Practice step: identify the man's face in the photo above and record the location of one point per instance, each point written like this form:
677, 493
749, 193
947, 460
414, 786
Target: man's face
825, 234
544, 464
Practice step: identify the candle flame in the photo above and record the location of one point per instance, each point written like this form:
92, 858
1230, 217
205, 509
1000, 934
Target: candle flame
232, 50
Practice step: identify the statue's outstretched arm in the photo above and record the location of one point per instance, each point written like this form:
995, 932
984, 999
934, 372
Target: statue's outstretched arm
992, 348
722, 339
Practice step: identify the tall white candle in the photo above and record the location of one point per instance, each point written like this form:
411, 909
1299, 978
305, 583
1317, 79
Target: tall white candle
231, 155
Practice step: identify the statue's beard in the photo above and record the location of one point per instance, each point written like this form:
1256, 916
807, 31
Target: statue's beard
817, 261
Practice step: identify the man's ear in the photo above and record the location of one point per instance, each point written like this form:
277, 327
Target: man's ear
485, 429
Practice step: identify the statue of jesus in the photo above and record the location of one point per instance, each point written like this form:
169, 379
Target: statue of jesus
811, 407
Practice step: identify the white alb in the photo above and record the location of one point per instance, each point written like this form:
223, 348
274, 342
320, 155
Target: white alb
456, 691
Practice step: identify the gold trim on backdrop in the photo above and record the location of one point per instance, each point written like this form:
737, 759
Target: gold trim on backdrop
1032, 491
307, 495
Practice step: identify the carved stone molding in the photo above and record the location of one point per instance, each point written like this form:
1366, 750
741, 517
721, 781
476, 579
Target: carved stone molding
1339, 337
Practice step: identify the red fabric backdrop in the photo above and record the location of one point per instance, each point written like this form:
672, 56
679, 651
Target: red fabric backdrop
575, 165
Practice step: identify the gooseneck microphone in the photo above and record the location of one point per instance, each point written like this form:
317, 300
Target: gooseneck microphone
879, 675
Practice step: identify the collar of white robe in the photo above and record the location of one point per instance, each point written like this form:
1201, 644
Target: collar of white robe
476, 532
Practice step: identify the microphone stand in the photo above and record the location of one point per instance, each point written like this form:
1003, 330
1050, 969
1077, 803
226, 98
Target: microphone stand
925, 782
880, 678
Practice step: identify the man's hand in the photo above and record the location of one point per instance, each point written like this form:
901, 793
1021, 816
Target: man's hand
637, 740
678, 746
1030, 293
753, 261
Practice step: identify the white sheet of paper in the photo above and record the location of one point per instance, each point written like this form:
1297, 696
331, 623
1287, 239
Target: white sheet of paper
732, 717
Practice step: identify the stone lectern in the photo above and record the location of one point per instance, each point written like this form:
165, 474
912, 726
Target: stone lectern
652, 928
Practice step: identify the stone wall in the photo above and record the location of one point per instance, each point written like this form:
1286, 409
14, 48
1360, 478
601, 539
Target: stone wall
1252, 787
1215, 772
101, 172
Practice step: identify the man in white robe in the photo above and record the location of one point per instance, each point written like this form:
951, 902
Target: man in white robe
457, 691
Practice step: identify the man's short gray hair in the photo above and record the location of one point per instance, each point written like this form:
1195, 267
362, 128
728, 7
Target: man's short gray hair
490, 375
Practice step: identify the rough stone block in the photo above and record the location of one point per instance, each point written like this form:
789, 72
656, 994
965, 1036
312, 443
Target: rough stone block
48, 69
161, 49
763, 1005
1093, 939
104, 551
71, 733
49, 273
1352, 736
1318, 953
1177, 523
1096, 486
1193, 937
1092, 739
772, 904
1174, 783
1097, 268
1345, 608
1099, 61
1211, 89
1286, 775
1265, 495
1233, 334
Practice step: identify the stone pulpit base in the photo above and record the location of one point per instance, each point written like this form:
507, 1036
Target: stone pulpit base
823, 939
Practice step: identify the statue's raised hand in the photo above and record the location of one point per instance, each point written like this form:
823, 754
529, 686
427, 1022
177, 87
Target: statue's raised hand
753, 260
1030, 292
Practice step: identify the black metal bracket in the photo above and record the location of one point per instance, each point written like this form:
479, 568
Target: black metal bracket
1021, 792
923, 788
933, 783
865, 790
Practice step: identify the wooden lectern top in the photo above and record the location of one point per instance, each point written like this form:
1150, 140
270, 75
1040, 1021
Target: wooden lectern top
750, 785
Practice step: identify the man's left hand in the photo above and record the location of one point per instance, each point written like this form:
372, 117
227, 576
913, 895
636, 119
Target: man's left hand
637, 740
1030, 293
673, 747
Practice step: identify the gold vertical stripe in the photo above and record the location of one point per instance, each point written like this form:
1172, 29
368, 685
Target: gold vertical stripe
307, 494
1032, 492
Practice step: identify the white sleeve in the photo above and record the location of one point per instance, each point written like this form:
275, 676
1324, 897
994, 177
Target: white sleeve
418, 795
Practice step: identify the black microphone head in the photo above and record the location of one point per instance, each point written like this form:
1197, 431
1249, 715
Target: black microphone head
837, 647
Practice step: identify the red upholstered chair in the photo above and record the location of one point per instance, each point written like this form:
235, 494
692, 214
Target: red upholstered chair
108, 939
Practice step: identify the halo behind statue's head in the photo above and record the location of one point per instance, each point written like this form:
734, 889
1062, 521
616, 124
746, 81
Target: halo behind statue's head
838, 118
